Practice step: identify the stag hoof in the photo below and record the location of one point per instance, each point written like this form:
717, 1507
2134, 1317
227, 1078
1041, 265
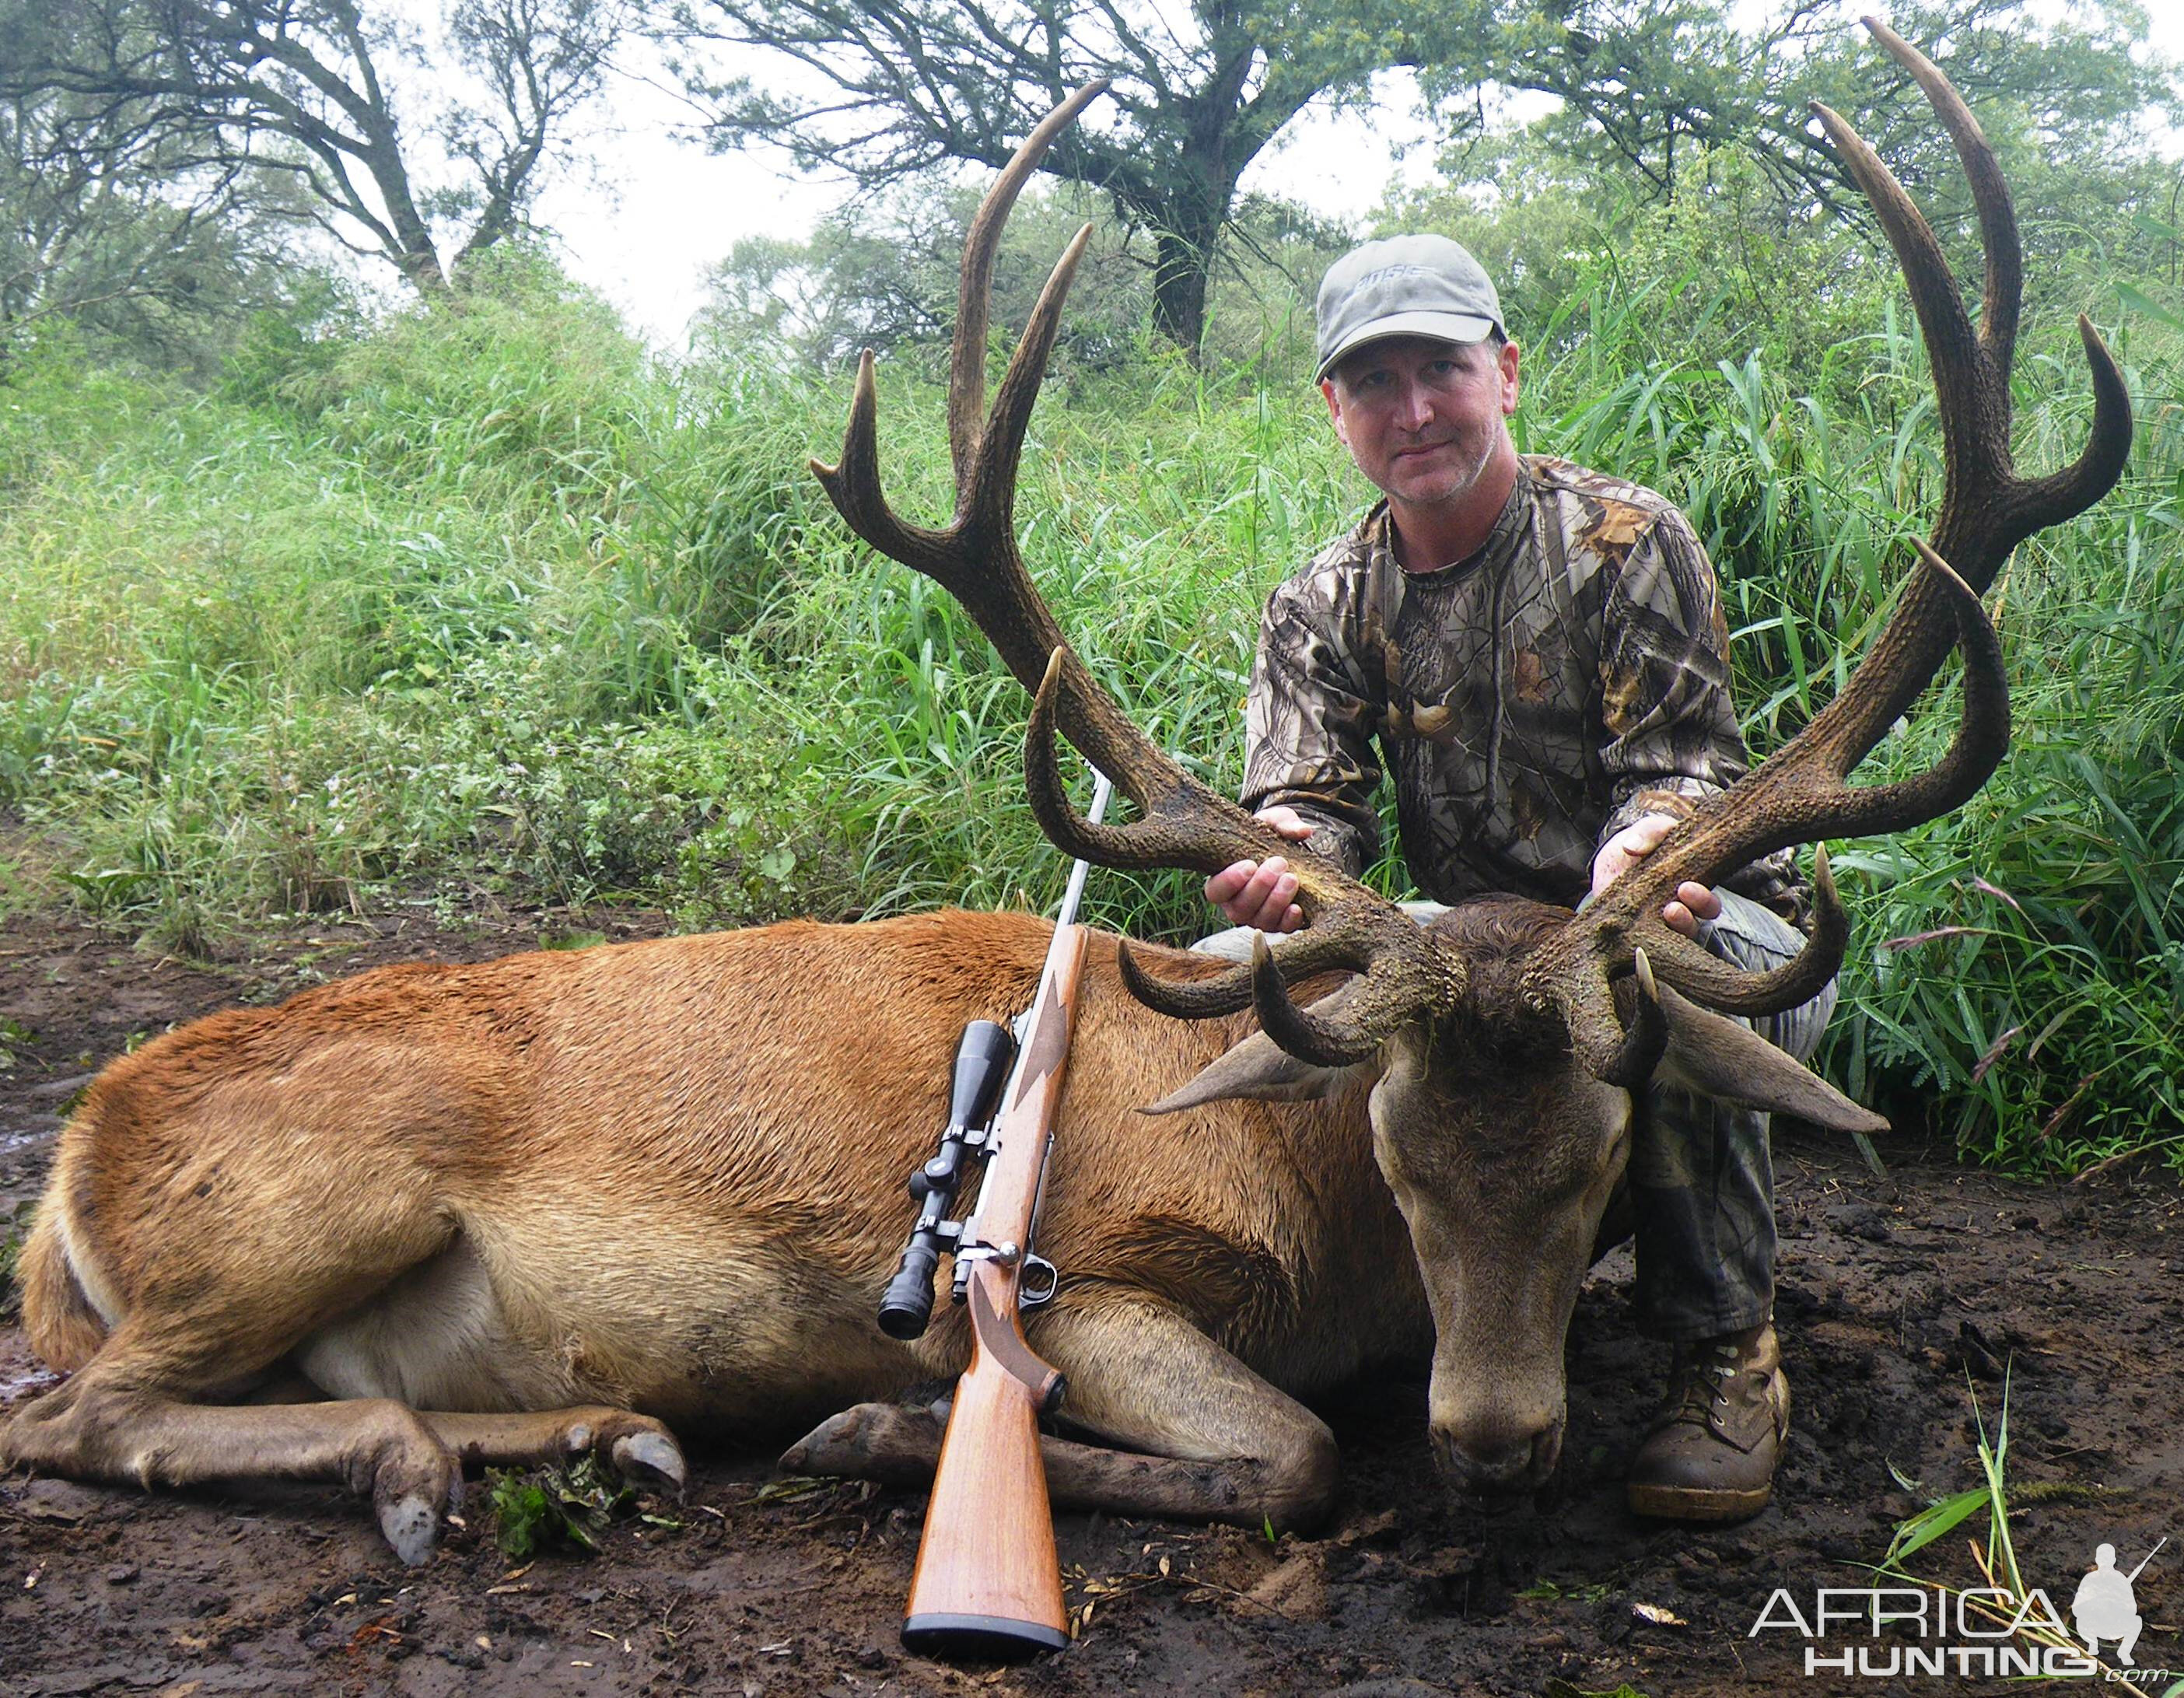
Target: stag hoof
411, 1521
415, 1481
651, 1460
872, 1441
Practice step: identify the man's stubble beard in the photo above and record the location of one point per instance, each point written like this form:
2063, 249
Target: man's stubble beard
1466, 477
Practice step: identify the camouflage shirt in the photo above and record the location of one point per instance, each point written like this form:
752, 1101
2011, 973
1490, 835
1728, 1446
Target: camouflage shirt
1530, 700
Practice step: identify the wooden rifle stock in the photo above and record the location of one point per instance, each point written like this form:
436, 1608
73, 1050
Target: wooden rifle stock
988, 1582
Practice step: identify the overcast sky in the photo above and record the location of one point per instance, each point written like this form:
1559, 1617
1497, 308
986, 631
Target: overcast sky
658, 212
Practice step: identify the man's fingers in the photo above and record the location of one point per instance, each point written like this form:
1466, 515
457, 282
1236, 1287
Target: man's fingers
1224, 886
1257, 893
1628, 846
1270, 895
1694, 904
1703, 903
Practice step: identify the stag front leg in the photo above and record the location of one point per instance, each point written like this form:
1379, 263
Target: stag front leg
639, 1449
1217, 1442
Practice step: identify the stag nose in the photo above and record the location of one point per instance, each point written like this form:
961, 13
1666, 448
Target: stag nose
1497, 1459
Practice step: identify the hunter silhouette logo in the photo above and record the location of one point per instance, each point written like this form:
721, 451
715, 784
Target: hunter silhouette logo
2105, 1607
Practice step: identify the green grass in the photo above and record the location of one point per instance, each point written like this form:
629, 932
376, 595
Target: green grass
485, 598
1997, 1597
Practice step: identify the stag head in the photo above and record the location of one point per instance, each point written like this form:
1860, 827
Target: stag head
1504, 1041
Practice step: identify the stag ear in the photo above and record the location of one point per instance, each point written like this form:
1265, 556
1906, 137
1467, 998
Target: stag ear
1259, 1068
1716, 1057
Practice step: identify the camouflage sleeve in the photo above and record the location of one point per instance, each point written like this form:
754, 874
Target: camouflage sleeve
1671, 732
1308, 728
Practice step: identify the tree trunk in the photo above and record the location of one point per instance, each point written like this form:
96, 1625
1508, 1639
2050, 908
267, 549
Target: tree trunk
1180, 266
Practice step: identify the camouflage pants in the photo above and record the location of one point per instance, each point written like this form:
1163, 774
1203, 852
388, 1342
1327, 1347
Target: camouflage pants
1699, 1193
1701, 1173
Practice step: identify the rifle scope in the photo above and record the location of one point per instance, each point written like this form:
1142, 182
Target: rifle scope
982, 1065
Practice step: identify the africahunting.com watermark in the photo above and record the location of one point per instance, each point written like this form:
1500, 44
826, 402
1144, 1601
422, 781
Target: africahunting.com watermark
1991, 1632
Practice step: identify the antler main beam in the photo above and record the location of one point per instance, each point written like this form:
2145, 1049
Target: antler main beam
976, 559
1802, 793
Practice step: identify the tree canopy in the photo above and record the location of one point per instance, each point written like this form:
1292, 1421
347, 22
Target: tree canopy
883, 89
117, 229
302, 104
886, 89
1642, 91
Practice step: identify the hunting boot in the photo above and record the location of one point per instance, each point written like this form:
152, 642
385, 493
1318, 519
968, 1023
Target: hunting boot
1711, 1453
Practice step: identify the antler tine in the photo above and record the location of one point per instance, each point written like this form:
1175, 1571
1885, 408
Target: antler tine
1320, 949
1986, 509
966, 355
2005, 271
852, 483
1803, 793
2069, 491
1374, 1006
1184, 824
1685, 966
1973, 408
1798, 795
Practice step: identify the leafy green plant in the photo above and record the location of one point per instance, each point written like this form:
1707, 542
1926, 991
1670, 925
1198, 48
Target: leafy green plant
2000, 1598
554, 1508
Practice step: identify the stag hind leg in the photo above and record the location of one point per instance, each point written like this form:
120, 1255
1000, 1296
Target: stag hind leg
199, 1328
114, 1421
102, 1426
1204, 1438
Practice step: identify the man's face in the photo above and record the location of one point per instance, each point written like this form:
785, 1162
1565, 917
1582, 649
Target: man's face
1423, 418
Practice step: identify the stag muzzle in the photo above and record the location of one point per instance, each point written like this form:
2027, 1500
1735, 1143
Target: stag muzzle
1500, 1451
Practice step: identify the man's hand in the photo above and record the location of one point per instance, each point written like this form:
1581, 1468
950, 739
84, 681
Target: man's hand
1263, 893
1693, 903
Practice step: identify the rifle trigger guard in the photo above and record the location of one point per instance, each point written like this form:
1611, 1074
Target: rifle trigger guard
1001, 1341
1037, 1281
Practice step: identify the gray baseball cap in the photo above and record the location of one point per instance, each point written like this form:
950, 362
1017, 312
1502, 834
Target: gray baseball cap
1403, 286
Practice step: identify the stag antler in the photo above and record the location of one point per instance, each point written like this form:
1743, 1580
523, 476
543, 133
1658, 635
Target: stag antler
1802, 793
1182, 824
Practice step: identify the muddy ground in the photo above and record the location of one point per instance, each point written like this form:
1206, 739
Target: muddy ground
1902, 1299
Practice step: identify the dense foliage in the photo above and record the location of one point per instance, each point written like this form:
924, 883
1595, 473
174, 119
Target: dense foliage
485, 599
310, 612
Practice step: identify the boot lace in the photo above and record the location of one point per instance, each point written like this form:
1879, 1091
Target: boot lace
1706, 1373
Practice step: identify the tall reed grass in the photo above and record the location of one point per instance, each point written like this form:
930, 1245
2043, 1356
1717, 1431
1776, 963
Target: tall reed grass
486, 598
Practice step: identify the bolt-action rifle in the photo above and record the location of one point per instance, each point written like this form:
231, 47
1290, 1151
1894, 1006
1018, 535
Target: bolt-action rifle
988, 1583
